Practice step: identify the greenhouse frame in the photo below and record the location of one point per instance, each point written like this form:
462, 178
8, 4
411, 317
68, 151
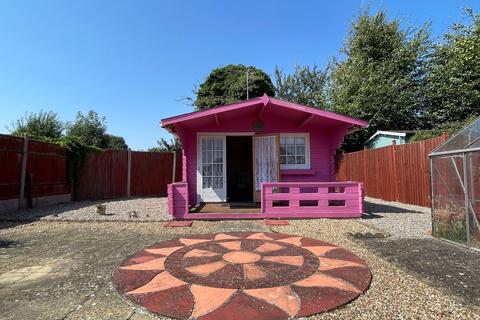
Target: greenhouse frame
455, 188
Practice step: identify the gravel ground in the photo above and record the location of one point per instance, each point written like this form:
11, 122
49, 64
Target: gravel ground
449, 267
393, 294
131, 209
399, 220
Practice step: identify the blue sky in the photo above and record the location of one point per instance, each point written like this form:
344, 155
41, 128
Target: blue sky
132, 61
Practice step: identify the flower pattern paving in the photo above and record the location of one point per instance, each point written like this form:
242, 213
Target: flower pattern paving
242, 275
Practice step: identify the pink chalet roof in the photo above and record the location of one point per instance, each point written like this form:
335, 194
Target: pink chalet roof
263, 102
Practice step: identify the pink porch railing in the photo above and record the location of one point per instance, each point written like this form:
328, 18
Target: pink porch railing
284, 200
177, 199
315, 199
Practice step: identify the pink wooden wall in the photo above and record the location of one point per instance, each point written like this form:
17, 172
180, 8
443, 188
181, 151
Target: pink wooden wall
324, 140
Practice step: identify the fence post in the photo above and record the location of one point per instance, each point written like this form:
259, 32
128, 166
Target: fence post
23, 172
174, 166
444, 136
394, 158
129, 171
365, 171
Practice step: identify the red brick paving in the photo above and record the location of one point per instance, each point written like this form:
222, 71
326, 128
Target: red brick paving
242, 275
276, 222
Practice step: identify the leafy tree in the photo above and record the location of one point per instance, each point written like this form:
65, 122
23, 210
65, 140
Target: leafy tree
382, 76
453, 89
115, 142
229, 84
41, 126
89, 129
305, 86
164, 145
450, 128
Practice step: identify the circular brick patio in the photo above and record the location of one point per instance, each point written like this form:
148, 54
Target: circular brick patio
242, 275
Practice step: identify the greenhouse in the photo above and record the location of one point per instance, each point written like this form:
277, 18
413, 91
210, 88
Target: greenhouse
455, 186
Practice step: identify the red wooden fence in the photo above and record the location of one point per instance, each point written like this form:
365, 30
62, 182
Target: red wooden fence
105, 174
394, 173
44, 165
152, 172
10, 161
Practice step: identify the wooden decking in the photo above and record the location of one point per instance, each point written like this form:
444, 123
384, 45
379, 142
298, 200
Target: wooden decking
226, 208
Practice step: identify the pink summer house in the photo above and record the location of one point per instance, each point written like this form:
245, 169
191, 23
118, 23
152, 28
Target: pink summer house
262, 158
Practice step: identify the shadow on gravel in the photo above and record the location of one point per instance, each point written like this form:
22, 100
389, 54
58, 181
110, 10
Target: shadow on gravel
6, 224
7, 243
444, 265
373, 208
25, 216
368, 215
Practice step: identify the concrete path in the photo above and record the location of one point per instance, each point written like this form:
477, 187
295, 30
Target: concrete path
64, 270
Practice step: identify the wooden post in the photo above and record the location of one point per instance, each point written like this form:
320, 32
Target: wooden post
444, 136
129, 171
365, 171
174, 166
23, 172
394, 159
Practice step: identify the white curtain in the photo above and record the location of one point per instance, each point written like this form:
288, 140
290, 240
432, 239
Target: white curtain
265, 160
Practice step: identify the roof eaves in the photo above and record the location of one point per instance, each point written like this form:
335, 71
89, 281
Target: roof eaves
320, 112
390, 133
217, 109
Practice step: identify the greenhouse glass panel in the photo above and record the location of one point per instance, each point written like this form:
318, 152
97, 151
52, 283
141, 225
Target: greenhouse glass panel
473, 186
448, 215
462, 140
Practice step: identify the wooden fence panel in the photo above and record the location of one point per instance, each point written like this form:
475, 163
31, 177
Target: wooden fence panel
104, 176
394, 173
47, 168
379, 180
151, 173
45, 173
10, 159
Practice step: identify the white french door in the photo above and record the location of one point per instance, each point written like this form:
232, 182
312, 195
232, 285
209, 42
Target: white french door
266, 155
211, 171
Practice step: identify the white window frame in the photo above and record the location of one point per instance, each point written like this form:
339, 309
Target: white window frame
307, 151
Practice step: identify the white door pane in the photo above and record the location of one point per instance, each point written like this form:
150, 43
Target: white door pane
212, 169
217, 157
207, 170
217, 170
266, 159
217, 182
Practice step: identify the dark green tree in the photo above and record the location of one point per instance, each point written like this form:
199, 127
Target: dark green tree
382, 76
453, 89
115, 142
305, 86
91, 130
165, 145
41, 126
229, 84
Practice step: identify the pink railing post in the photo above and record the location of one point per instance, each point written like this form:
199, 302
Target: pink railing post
294, 201
178, 199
